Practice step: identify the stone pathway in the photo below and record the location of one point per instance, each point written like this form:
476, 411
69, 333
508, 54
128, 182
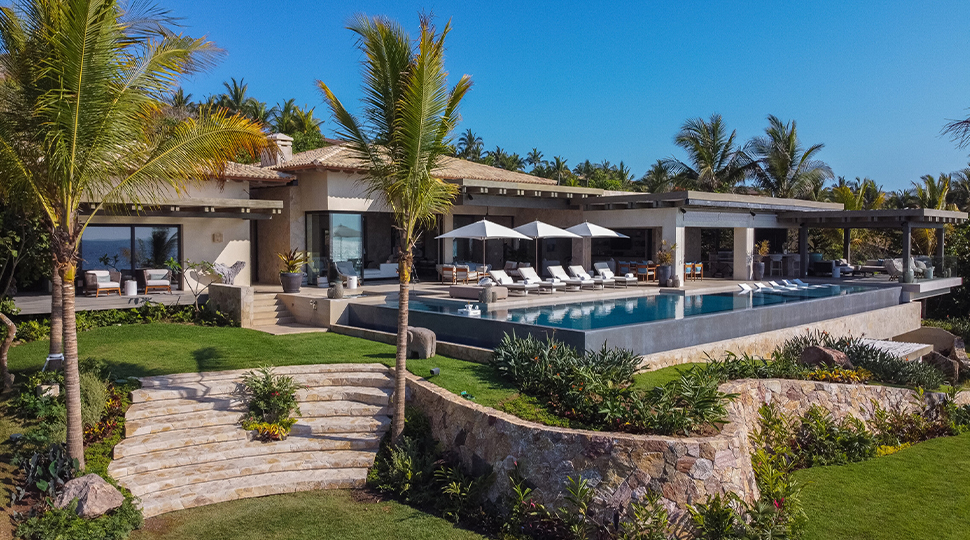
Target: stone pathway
184, 447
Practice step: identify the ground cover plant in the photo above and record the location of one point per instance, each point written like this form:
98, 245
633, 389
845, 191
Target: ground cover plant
41, 454
596, 389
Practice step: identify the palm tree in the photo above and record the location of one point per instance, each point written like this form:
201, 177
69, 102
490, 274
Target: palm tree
659, 179
624, 175
257, 111
786, 169
89, 124
470, 146
932, 192
960, 189
859, 195
534, 158
284, 117
304, 122
408, 116
716, 164
559, 169
235, 98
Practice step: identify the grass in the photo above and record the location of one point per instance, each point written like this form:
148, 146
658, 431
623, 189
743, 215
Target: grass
660, 377
919, 492
314, 514
9, 425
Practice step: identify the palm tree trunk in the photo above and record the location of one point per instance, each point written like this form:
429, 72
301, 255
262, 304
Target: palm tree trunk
57, 313
4, 347
400, 362
72, 378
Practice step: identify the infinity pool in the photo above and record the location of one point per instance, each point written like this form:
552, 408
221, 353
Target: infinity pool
611, 313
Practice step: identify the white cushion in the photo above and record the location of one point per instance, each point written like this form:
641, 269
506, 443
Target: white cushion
157, 274
157, 283
109, 285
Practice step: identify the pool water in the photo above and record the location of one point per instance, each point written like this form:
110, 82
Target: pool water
609, 313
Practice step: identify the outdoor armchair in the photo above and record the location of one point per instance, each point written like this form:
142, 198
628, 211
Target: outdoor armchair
159, 279
102, 280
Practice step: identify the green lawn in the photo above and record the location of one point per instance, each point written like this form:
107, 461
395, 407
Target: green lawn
922, 492
315, 514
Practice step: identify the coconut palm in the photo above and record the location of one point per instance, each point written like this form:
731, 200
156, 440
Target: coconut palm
401, 138
932, 192
235, 98
559, 169
715, 162
659, 179
960, 189
534, 158
81, 118
470, 146
786, 169
284, 117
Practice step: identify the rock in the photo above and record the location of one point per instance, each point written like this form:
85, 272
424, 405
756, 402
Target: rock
48, 390
825, 357
949, 366
421, 342
95, 496
959, 353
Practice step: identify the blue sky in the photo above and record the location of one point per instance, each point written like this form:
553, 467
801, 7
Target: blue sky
614, 81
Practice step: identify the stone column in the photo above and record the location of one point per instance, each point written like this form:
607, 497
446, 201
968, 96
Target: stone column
803, 251
907, 250
674, 234
743, 252
447, 246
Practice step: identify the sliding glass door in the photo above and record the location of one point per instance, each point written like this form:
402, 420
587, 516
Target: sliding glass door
333, 238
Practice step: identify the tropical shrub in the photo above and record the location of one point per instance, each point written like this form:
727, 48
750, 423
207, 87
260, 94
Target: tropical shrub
596, 389
271, 400
56, 524
34, 328
885, 367
839, 375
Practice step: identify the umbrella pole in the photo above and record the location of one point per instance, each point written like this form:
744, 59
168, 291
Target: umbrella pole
483, 253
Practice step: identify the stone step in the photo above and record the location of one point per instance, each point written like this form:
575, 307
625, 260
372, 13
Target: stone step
206, 390
160, 408
294, 371
310, 427
269, 309
206, 453
218, 417
273, 321
250, 486
195, 474
265, 299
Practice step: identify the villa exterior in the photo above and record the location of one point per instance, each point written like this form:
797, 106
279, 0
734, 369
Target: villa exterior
316, 201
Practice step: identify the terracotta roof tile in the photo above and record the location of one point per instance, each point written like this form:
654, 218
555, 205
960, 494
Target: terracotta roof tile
242, 171
339, 157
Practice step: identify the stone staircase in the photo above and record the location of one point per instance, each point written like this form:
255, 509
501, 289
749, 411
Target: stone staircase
184, 447
268, 310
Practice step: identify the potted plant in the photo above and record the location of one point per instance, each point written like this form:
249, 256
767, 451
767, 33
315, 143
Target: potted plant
291, 277
758, 266
665, 259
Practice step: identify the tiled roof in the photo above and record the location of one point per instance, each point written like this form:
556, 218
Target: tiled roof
339, 157
242, 171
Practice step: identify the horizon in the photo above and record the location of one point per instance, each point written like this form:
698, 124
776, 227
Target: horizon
611, 83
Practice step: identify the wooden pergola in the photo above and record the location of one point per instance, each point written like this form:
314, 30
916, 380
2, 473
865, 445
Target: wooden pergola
905, 219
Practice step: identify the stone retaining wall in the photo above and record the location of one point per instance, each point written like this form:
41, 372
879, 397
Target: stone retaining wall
621, 466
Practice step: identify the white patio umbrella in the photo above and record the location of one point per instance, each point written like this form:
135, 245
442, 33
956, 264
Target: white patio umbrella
537, 230
591, 230
483, 230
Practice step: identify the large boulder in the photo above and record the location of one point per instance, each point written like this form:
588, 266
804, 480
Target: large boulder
421, 342
949, 366
959, 353
824, 357
95, 496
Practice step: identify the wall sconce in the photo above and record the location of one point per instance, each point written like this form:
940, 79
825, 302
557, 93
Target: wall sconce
313, 304
683, 210
217, 238
752, 214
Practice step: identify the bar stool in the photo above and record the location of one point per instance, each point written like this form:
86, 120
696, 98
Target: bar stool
775, 264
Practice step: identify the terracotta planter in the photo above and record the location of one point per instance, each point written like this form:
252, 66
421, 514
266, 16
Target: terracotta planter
291, 281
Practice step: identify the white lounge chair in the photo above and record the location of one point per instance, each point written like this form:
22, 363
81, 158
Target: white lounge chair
761, 287
777, 285
530, 276
603, 270
579, 272
745, 288
801, 283
504, 280
558, 273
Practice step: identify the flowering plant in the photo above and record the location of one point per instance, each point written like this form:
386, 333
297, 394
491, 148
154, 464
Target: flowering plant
271, 399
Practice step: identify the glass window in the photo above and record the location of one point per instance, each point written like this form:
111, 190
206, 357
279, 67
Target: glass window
347, 239
106, 248
155, 245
